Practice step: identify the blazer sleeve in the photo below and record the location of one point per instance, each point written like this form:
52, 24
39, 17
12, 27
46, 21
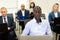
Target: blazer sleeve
50, 19
28, 13
12, 25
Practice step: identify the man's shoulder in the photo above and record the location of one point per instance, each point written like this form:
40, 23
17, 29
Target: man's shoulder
30, 22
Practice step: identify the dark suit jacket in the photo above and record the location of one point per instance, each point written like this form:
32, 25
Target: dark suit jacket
51, 19
19, 14
10, 23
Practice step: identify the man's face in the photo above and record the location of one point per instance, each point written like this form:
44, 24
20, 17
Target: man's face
37, 14
3, 12
22, 7
56, 8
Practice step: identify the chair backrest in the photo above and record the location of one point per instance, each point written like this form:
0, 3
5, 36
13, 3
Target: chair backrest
10, 15
43, 16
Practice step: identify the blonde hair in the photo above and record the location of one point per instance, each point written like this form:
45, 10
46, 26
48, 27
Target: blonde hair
54, 5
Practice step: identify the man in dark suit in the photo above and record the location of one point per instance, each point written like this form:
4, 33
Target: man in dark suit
54, 14
6, 19
22, 14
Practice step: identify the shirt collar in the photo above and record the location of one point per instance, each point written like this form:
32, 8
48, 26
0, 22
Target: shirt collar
5, 16
35, 20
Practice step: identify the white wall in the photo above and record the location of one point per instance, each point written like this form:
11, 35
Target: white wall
46, 5
26, 2
13, 5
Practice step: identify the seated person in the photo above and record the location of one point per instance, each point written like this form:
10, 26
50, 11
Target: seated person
52, 15
32, 5
37, 26
11, 25
22, 14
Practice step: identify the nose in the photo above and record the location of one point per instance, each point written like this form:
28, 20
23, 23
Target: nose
37, 13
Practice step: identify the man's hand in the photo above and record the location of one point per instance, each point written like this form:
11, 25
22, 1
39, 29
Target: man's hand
8, 28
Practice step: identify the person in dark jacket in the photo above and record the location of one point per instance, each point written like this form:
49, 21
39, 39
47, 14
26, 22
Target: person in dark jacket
10, 23
22, 14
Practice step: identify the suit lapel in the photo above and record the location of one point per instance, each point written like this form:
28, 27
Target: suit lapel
1, 20
53, 15
20, 12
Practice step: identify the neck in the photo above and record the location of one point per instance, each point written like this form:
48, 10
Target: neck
38, 20
55, 11
22, 9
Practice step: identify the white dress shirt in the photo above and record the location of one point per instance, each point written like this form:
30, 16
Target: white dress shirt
56, 14
23, 12
35, 29
6, 19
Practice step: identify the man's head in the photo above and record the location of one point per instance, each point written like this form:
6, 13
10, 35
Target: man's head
3, 11
22, 7
56, 7
37, 13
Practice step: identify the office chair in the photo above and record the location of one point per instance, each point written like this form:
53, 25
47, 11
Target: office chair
43, 16
11, 15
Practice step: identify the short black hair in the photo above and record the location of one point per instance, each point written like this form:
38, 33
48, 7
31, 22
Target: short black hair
36, 8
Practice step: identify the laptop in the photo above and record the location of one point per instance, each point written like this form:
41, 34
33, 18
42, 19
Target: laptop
23, 18
3, 27
35, 38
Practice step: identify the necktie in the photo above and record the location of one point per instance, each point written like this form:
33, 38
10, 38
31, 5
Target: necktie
5, 20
